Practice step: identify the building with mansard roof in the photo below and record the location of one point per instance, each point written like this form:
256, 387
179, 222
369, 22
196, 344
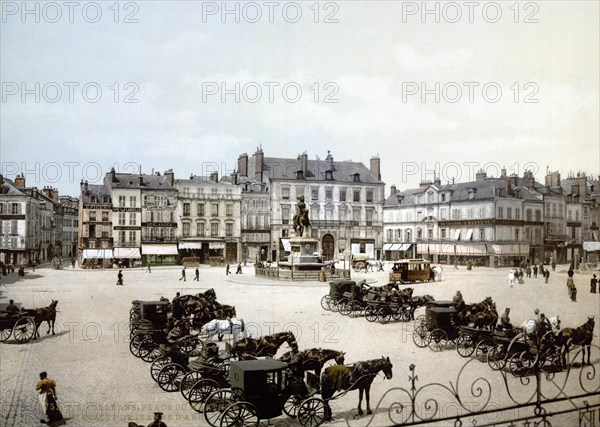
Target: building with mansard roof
344, 199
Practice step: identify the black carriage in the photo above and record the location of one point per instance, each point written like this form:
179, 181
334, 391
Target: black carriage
20, 325
438, 327
337, 288
262, 389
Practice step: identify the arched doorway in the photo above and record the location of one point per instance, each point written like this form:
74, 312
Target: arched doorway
328, 247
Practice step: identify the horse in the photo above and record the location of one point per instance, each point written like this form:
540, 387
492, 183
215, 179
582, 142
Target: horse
582, 336
265, 346
315, 358
437, 272
358, 376
202, 316
45, 314
485, 319
233, 326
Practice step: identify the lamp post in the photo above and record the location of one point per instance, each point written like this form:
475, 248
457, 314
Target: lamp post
262, 254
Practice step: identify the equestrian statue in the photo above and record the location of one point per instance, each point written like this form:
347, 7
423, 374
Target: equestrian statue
301, 221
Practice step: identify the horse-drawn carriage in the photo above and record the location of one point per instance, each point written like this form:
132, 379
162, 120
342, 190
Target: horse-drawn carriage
262, 389
20, 325
411, 271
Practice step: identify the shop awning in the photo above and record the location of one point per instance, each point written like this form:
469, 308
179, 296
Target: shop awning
97, 253
591, 246
518, 249
287, 246
469, 234
159, 249
190, 245
594, 235
216, 245
122, 253
456, 235
404, 246
388, 246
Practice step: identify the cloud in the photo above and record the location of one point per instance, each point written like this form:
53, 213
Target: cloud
184, 42
414, 62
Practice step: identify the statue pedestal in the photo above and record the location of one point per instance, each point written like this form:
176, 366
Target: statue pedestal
303, 249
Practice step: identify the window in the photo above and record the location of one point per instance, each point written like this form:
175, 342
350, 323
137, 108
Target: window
92, 216
356, 177
186, 229
122, 238
577, 216
369, 217
229, 229
104, 216
186, 209
132, 239
314, 194
369, 196
121, 218
132, 201
229, 209
356, 196
1, 208
443, 197
15, 209
299, 191
132, 218
419, 233
328, 193
500, 212
509, 213
430, 233
214, 229
342, 194
517, 234
517, 213
443, 233
482, 234
122, 201
356, 216
455, 213
470, 213
443, 214
285, 193
285, 215
538, 215
529, 214
200, 209
200, 228
215, 209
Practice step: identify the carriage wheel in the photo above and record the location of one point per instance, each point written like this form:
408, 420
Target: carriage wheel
355, 309
24, 329
5, 334
465, 345
192, 346
371, 313
420, 320
187, 383
333, 305
482, 350
360, 266
224, 366
240, 414
383, 315
148, 350
344, 307
199, 392
215, 404
157, 365
290, 407
312, 412
134, 314
438, 340
170, 377
405, 314
325, 302
421, 336
497, 358
134, 343
519, 363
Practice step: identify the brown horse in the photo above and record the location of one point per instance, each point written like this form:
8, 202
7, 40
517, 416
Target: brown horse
359, 376
45, 314
265, 346
581, 336
485, 319
315, 358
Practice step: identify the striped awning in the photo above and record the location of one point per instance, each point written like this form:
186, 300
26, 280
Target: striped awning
153, 249
287, 246
122, 253
190, 245
591, 246
97, 253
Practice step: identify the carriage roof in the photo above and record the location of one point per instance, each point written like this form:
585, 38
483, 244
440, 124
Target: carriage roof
412, 261
263, 365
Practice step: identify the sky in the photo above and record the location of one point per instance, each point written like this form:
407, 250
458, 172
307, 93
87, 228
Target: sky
432, 88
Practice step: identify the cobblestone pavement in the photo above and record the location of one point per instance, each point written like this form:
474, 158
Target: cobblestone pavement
99, 383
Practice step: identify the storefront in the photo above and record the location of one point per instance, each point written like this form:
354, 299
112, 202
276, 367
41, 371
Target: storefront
96, 258
397, 251
160, 254
127, 257
206, 250
454, 253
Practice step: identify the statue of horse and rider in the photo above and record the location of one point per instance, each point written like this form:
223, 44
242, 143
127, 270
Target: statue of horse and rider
301, 221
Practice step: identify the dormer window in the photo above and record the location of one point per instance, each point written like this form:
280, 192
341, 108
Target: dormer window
471, 192
328, 175
356, 177
300, 174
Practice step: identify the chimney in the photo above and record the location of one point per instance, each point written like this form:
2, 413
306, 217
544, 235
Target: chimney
141, 178
424, 184
259, 158
85, 186
503, 172
170, 176
20, 181
553, 179
528, 179
243, 164
376, 167
329, 160
392, 190
437, 182
582, 184
303, 163
480, 175
214, 176
113, 175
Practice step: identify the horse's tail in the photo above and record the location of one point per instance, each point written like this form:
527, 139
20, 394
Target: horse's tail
243, 325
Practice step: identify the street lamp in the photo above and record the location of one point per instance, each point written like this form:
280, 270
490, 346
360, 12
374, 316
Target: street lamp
262, 254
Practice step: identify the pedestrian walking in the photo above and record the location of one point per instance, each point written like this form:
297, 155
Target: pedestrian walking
182, 275
239, 269
572, 289
535, 269
553, 265
227, 271
197, 275
33, 266
46, 389
546, 276
148, 270
511, 278
73, 263
593, 283
120, 278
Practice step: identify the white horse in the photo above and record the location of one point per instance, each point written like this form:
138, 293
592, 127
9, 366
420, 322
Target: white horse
531, 326
437, 271
234, 327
